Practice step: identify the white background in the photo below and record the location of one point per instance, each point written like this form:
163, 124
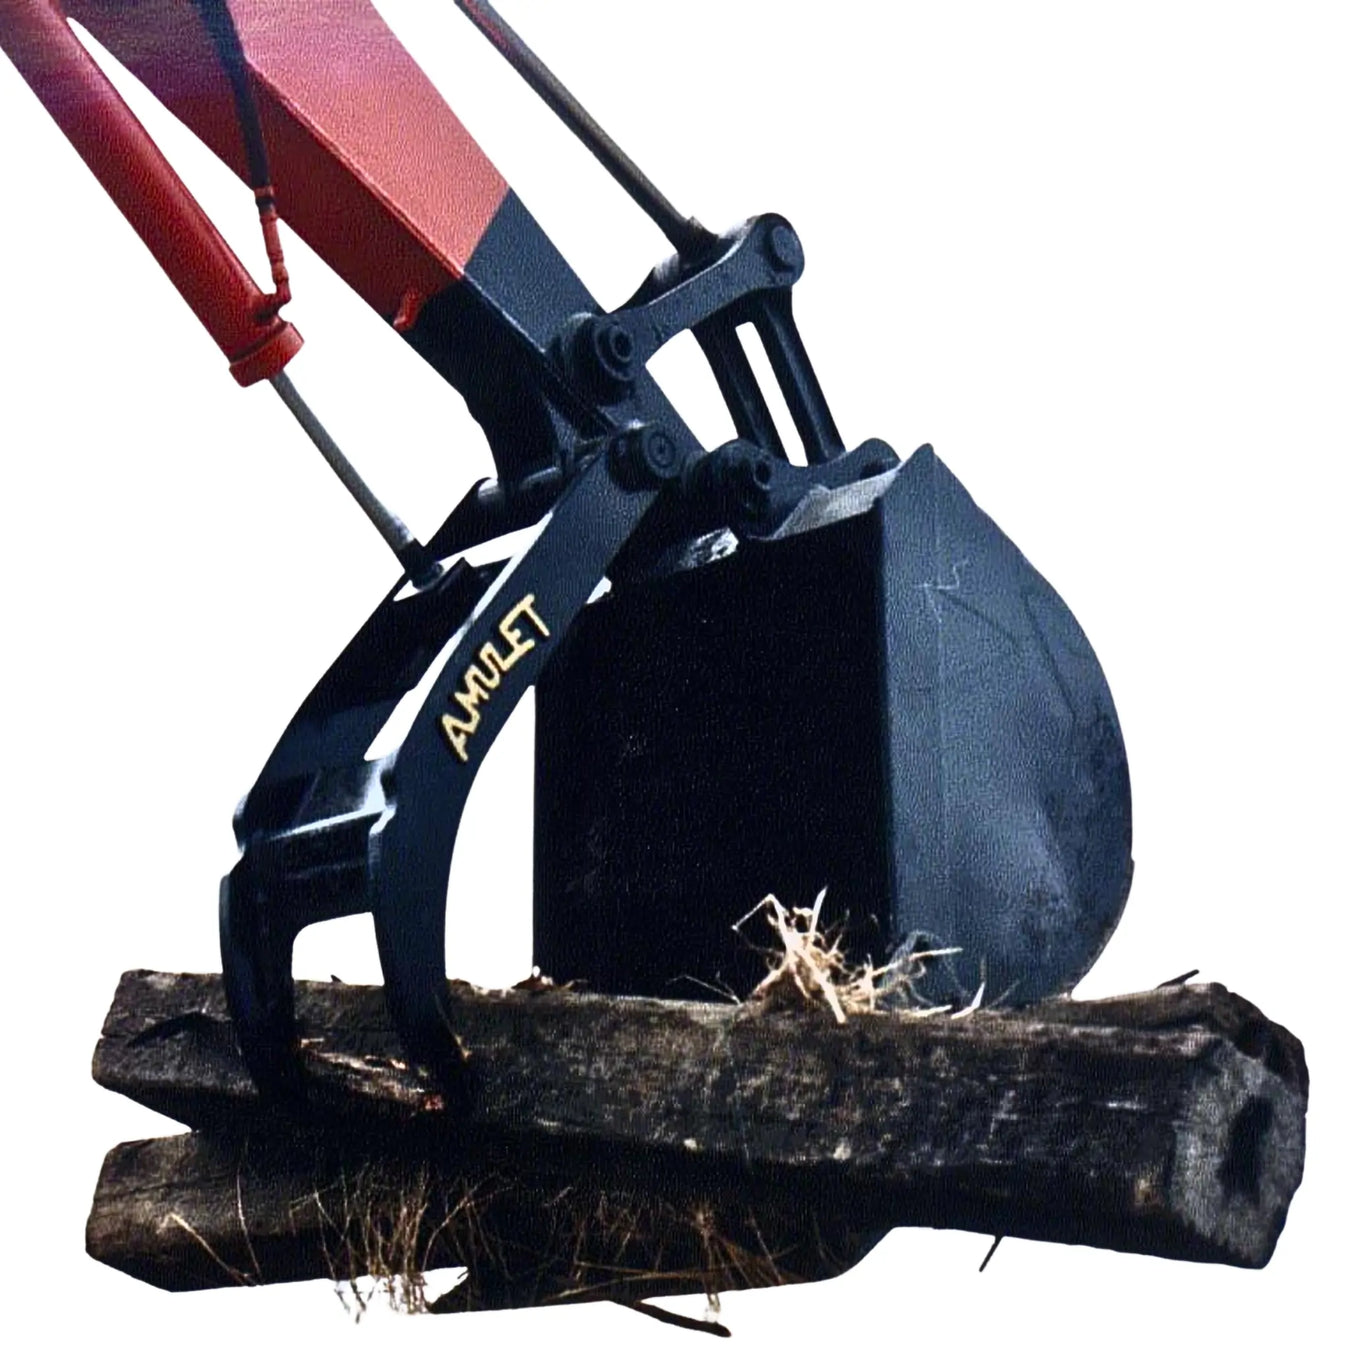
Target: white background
1095, 253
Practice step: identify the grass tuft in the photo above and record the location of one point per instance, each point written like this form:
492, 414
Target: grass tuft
808, 963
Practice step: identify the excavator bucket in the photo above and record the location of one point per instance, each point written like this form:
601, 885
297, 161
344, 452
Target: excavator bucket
885, 700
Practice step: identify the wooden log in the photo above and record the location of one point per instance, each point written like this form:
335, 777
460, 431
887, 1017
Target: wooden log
206, 1210
627, 1147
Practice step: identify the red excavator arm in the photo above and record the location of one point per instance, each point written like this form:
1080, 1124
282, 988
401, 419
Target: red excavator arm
370, 166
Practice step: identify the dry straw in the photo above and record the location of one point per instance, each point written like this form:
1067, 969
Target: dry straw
808, 963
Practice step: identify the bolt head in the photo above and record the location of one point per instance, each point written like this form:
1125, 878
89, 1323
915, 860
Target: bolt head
751, 475
663, 455
647, 458
614, 348
784, 248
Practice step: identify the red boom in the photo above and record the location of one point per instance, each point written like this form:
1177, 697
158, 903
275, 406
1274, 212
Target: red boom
369, 164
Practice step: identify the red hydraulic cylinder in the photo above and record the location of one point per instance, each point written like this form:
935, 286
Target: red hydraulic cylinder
239, 316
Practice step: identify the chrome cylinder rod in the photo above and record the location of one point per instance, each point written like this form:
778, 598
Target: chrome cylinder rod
393, 531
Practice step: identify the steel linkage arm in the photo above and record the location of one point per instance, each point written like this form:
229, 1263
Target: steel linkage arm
748, 280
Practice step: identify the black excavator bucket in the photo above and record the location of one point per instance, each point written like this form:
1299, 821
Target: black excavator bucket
885, 699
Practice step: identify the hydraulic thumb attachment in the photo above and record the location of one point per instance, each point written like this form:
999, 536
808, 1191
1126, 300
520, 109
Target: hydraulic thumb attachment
328, 831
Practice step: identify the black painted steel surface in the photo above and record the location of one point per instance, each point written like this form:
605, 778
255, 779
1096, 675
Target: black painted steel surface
893, 704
